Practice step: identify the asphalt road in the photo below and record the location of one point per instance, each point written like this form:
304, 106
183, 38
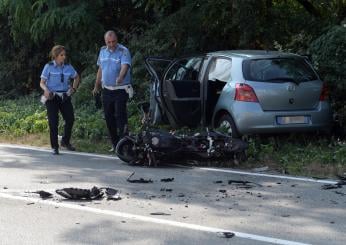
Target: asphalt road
196, 208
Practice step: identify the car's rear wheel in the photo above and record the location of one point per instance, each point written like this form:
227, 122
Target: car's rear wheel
226, 124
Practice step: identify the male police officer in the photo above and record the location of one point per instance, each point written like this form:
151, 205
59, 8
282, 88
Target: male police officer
114, 77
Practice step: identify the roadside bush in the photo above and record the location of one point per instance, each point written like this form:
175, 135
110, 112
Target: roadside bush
329, 54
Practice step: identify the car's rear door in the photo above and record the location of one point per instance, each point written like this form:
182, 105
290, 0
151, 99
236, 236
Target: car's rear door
181, 91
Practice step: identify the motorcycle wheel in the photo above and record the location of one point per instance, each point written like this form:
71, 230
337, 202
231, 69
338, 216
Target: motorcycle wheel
125, 151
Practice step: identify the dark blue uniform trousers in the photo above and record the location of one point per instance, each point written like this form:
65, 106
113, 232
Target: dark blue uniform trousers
65, 107
114, 106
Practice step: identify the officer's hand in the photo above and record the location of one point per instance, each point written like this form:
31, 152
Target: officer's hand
95, 91
119, 81
47, 94
70, 92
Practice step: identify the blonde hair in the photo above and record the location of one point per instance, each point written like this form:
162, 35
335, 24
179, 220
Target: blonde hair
56, 50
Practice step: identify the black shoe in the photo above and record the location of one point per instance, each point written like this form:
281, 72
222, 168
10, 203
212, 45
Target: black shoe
55, 151
67, 146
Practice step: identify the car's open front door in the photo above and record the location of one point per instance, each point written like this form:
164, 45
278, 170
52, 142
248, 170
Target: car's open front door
156, 68
181, 91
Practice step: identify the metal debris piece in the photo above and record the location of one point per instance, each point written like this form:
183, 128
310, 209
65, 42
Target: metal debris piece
222, 191
159, 213
141, 180
218, 182
80, 194
164, 189
167, 180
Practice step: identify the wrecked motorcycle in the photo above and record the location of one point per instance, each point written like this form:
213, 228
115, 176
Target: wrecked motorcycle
152, 146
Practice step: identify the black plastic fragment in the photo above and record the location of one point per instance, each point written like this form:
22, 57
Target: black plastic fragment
159, 213
227, 234
43, 194
167, 180
218, 182
334, 186
141, 180
80, 194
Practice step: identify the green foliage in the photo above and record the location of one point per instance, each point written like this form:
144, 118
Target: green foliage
296, 154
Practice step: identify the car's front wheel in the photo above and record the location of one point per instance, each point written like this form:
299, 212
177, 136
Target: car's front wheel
226, 124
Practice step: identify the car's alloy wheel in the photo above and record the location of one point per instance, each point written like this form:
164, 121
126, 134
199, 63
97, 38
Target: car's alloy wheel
226, 124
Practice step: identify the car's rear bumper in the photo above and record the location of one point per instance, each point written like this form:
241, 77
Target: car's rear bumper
250, 118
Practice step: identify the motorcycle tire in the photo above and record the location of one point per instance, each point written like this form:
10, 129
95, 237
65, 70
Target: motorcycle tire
125, 152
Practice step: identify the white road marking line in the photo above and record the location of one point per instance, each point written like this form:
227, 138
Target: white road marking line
153, 220
207, 169
64, 152
270, 175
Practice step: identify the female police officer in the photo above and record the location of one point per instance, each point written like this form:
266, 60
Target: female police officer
55, 82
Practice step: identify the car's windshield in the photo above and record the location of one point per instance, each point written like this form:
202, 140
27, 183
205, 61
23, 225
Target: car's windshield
278, 70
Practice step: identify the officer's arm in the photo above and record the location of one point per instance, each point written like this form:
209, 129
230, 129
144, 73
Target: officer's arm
122, 74
46, 91
76, 82
98, 81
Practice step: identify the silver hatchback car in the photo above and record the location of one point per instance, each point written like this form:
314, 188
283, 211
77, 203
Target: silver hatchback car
245, 91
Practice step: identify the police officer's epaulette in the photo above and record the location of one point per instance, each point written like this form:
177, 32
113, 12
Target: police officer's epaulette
51, 63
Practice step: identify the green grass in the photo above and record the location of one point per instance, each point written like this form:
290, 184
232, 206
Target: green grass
24, 121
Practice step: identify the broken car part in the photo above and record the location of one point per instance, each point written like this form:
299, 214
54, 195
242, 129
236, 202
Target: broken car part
141, 180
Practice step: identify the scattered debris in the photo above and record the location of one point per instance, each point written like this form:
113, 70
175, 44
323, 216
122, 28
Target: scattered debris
141, 180
222, 191
112, 194
227, 234
334, 186
243, 184
159, 213
43, 194
167, 180
30, 203
5, 188
218, 182
285, 215
181, 195
168, 190
80, 194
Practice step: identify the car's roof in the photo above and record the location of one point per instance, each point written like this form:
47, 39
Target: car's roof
253, 53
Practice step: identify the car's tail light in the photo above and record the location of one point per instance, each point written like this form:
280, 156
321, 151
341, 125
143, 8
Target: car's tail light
324, 92
244, 92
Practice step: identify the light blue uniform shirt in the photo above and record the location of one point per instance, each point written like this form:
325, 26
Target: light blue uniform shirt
110, 63
57, 77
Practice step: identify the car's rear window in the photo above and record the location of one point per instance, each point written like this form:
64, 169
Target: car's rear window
278, 70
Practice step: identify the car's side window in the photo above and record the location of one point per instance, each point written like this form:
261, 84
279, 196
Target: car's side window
185, 69
220, 70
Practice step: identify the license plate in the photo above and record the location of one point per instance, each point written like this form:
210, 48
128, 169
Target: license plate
293, 120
